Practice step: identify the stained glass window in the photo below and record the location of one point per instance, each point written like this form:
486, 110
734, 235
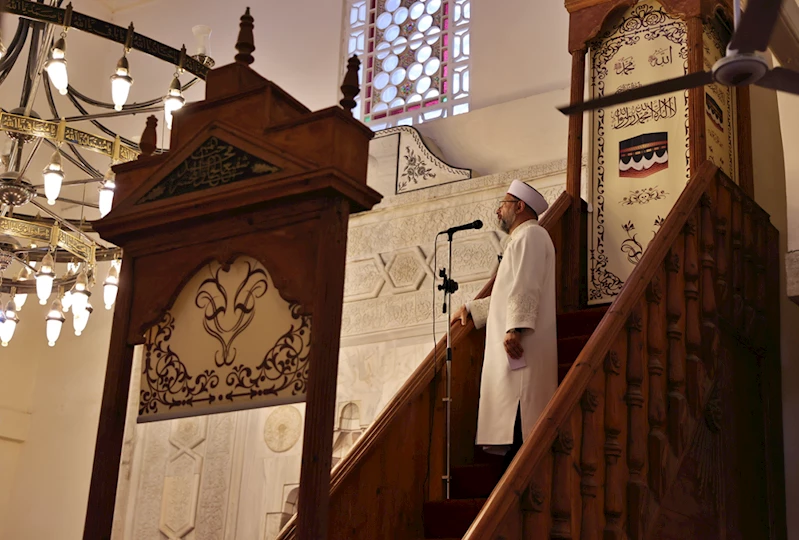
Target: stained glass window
415, 59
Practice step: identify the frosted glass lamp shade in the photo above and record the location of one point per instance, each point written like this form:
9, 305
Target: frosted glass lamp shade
106, 197
173, 101
20, 299
80, 320
54, 322
110, 287
121, 82
9, 324
57, 67
80, 294
202, 35
66, 301
44, 279
53, 177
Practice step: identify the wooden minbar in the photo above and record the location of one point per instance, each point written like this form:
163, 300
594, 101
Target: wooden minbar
250, 172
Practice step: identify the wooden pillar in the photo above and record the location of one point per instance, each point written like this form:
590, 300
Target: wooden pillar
317, 446
697, 143
111, 427
574, 159
744, 133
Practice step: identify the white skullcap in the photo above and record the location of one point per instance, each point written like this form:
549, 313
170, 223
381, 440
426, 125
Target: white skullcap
529, 195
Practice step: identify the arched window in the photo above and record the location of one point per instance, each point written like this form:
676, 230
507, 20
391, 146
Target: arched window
415, 59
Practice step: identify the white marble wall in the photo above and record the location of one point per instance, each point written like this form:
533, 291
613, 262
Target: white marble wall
234, 475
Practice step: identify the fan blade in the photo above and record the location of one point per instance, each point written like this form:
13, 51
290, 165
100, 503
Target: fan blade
692, 80
754, 29
784, 80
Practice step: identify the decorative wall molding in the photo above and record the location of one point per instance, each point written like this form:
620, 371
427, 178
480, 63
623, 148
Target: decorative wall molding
402, 150
182, 482
283, 428
530, 174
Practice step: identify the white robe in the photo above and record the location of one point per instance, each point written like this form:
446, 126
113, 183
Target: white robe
523, 296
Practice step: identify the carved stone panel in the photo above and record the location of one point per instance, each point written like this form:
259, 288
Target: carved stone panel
363, 279
406, 269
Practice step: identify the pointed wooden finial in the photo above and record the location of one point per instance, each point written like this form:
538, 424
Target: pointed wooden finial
245, 44
350, 87
148, 141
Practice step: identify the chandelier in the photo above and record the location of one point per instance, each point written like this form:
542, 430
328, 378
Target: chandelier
42, 253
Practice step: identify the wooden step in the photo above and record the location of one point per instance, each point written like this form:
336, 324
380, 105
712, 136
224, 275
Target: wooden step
450, 519
580, 323
475, 481
568, 351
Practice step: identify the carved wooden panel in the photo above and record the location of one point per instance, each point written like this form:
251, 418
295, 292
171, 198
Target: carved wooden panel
229, 342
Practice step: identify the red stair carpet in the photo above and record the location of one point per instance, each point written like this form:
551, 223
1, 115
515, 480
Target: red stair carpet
473, 483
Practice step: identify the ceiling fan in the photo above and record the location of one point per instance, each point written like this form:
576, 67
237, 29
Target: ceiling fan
740, 67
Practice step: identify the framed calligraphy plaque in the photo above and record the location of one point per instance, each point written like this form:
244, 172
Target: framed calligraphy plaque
639, 150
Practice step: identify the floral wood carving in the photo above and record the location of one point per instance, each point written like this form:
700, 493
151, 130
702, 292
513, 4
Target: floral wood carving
214, 163
533, 499
612, 363
230, 341
241, 305
416, 170
643, 196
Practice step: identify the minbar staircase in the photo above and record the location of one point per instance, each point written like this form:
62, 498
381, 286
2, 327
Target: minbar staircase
473, 483
667, 425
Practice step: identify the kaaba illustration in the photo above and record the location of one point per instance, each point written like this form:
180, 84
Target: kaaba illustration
714, 112
644, 155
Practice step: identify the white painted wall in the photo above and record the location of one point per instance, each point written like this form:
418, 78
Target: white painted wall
60, 388
772, 181
519, 48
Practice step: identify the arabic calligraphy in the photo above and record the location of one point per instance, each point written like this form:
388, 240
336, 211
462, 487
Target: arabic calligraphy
28, 126
75, 245
34, 127
661, 57
642, 113
628, 86
87, 140
24, 229
45, 233
215, 163
625, 65
112, 32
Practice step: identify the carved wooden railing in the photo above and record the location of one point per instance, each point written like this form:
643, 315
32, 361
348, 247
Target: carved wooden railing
379, 488
679, 381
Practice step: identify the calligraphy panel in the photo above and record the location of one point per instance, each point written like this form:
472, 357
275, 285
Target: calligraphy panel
639, 150
719, 121
229, 342
213, 164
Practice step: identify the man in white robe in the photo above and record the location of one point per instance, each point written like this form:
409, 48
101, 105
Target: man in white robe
520, 367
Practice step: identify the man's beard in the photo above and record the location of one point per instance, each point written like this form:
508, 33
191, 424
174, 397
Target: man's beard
504, 226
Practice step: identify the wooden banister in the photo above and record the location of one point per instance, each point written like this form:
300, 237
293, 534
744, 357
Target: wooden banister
418, 383
540, 441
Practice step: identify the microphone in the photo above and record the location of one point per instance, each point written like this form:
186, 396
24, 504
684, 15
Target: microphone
476, 224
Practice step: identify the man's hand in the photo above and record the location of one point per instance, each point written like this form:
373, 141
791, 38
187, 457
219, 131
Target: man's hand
513, 345
461, 314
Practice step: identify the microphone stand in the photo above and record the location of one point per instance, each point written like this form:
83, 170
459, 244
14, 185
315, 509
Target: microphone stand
449, 286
